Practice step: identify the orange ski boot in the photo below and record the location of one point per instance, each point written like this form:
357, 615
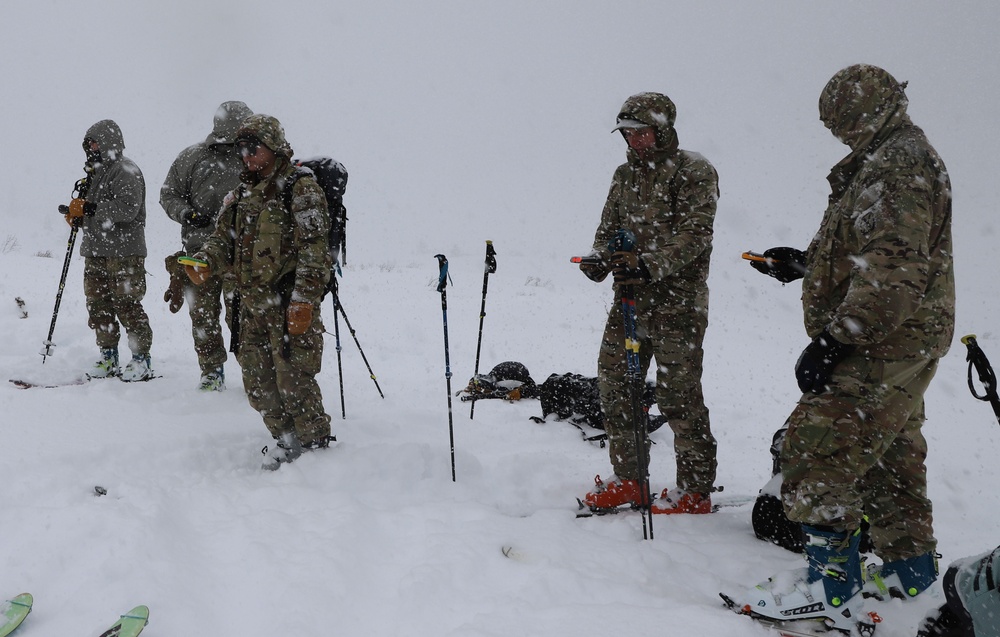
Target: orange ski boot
608, 496
680, 501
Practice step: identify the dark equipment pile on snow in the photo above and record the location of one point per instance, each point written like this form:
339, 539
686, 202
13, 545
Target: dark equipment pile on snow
568, 397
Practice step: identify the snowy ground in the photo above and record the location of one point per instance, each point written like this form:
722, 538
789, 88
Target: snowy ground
490, 140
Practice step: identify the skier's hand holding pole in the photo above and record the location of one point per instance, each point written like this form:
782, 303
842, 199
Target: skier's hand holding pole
593, 267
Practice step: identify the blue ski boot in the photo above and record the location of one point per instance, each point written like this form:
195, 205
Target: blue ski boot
826, 590
107, 366
902, 579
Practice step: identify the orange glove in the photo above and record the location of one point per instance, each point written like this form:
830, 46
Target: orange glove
197, 274
76, 208
299, 317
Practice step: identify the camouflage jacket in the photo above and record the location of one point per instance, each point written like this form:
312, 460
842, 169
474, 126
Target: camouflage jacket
198, 181
275, 254
118, 226
880, 270
669, 205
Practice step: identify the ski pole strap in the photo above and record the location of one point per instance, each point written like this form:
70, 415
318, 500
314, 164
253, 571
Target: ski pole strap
977, 358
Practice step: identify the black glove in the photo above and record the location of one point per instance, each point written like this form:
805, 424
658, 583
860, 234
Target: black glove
628, 269
194, 219
784, 264
595, 268
817, 361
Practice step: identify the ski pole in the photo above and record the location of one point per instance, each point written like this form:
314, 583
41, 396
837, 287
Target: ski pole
336, 334
491, 267
442, 284
79, 192
371, 374
977, 358
624, 241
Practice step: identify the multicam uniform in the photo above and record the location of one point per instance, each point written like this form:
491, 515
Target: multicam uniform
880, 279
114, 244
194, 189
277, 254
668, 203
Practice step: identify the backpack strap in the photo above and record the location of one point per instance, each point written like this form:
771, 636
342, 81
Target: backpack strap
290, 181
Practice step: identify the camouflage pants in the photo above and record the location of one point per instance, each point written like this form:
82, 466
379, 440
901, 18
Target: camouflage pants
114, 288
205, 308
674, 340
858, 450
284, 390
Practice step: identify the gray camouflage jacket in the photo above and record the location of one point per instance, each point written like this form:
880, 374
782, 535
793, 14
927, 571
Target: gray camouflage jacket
880, 272
199, 180
118, 226
669, 205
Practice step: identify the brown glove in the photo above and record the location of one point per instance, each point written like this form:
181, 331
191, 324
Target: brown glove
178, 281
197, 274
299, 317
628, 268
76, 208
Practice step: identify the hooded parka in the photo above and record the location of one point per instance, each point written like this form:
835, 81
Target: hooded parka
118, 226
667, 200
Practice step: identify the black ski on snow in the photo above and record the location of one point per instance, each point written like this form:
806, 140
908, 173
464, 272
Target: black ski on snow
28, 384
20, 383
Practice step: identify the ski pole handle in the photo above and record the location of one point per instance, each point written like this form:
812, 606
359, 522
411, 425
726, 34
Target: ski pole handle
589, 260
491, 258
442, 272
977, 359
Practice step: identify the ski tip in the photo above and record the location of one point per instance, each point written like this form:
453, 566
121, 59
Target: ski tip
139, 612
24, 599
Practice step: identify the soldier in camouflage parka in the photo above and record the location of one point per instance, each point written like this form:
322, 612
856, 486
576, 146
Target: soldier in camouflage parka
114, 251
879, 302
279, 259
666, 198
192, 195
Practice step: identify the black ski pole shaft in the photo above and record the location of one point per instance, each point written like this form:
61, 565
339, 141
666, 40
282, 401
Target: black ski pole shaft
354, 335
491, 267
48, 345
977, 358
634, 378
442, 285
336, 335
624, 240
80, 189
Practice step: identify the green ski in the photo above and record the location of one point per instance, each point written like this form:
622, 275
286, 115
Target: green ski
130, 624
13, 612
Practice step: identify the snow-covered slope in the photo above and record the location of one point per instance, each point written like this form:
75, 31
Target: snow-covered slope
459, 123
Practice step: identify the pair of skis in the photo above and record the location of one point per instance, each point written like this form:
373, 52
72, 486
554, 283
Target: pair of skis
13, 612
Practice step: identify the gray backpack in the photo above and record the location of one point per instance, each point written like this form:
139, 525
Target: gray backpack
972, 601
